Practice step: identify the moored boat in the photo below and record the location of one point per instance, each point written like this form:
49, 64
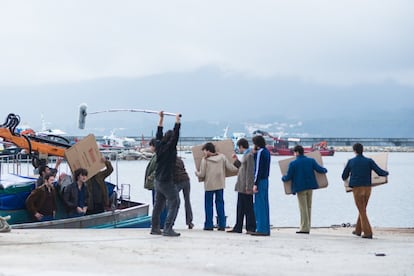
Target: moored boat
14, 190
278, 146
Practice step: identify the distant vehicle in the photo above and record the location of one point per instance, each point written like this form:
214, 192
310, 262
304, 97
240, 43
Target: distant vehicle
278, 146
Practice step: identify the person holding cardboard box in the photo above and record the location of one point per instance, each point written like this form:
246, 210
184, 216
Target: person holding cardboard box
244, 188
359, 169
301, 172
213, 172
98, 192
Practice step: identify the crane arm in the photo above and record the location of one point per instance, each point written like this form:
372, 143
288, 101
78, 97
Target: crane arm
34, 144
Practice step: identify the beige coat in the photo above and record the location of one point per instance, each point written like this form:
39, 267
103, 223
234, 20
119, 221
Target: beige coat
213, 171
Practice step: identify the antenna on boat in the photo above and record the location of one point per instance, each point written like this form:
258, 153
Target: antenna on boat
83, 113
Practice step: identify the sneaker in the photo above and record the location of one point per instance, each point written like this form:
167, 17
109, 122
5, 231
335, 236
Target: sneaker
366, 236
170, 233
208, 229
220, 229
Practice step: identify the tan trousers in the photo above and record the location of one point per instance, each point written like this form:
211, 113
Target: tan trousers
361, 197
305, 207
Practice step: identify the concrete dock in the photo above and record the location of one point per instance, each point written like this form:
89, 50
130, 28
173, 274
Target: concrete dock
326, 251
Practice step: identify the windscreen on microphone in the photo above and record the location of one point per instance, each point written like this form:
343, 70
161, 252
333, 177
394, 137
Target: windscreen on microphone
82, 115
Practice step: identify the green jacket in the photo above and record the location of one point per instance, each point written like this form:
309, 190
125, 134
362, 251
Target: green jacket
150, 173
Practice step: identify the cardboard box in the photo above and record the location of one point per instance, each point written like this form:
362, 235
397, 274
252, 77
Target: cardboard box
85, 154
225, 147
381, 159
321, 178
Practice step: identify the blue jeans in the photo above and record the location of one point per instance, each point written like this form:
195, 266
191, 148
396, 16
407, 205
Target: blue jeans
261, 207
208, 208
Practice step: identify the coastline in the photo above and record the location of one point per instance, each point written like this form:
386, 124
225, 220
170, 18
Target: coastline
326, 251
187, 148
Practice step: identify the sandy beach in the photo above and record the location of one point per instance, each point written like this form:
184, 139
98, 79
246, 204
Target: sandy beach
326, 251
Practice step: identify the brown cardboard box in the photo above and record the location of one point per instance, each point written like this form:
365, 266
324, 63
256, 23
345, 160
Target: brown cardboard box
321, 178
225, 147
381, 159
85, 154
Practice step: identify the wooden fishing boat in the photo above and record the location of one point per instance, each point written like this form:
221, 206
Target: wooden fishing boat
14, 190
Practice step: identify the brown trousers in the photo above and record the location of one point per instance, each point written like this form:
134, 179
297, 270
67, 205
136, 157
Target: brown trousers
361, 197
305, 208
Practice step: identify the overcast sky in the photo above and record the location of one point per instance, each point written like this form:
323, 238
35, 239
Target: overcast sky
48, 46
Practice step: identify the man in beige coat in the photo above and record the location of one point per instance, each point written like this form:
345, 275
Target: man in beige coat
213, 172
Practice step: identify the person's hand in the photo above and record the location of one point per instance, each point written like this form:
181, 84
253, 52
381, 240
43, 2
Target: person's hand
178, 117
161, 114
58, 161
38, 216
79, 210
62, 176
234, 156
255, 190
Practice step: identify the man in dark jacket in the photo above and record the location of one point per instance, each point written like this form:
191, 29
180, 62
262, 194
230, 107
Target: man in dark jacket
98, 192
359, 170
182, 180
166, 190
75, 195
244, 188
301, 172
41, 203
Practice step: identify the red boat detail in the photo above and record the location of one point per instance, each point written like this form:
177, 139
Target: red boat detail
277, 146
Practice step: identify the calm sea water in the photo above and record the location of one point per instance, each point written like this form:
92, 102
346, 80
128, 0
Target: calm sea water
390, 205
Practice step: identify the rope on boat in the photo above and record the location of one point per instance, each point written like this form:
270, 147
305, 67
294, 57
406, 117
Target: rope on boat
4, 226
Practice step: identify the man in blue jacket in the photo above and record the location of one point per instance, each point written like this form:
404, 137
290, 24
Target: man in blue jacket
301, 172
359, 170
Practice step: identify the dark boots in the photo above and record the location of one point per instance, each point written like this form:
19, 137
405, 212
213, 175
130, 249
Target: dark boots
169, 232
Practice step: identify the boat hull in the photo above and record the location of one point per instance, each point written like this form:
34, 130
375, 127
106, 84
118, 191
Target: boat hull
289, 152
132, 215
14, 190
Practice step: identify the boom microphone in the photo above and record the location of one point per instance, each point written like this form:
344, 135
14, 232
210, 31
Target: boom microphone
82, 115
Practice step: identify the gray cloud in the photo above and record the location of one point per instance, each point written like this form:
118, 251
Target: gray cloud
327, 42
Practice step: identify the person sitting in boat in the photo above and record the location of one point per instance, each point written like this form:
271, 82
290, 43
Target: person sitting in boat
97, 190
76, 194
41, 203
45, 169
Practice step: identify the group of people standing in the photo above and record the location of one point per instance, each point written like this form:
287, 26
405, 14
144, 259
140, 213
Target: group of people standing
165, 170
252, 185
166, 176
